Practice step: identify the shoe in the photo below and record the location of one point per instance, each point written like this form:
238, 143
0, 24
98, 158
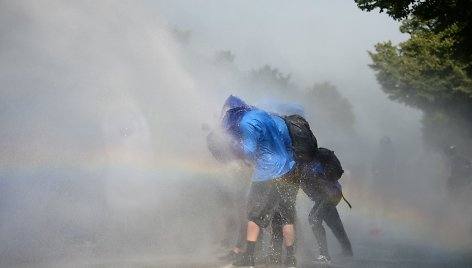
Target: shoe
231, 256
323, 259
290, 261
244, 260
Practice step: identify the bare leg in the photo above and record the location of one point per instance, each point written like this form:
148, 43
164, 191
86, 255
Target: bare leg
253, 231
289, 234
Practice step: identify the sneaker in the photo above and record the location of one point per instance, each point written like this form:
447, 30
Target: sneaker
290, 262
244, 260
231, 256
323, 259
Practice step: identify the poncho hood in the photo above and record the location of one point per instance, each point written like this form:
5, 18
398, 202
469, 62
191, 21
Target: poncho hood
233, 110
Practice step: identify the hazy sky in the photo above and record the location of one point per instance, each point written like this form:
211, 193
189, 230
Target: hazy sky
314, 41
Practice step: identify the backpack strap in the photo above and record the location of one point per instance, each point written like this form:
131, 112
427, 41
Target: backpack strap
345, 200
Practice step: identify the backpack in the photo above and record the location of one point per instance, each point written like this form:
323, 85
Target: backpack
304, 143
332, 166
331, 163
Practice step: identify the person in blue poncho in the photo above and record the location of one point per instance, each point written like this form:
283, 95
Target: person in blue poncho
326, 193
263, 139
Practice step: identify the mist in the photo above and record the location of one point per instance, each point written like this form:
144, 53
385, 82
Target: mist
104, 157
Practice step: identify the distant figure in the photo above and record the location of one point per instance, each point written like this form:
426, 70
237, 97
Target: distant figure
459, 174
385, 160
384, 171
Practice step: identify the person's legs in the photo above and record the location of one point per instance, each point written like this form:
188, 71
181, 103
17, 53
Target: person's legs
315, 218
276, 243
234, 253
289, 236
334, 222
252, 231
240, 201
242, 230
261, 204
287, 188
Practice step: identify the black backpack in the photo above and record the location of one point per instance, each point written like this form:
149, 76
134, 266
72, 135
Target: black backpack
304, 143
332, 166
330, 162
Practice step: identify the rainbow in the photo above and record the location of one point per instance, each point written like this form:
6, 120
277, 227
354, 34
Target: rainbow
441, 231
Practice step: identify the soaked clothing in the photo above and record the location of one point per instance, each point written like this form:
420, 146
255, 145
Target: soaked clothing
267, 197
264, 139
317, 187
327, 212
264, 143
261, 138
326, 194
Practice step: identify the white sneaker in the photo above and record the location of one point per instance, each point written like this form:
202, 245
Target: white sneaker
323, 259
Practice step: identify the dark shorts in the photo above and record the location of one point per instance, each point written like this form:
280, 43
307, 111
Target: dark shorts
268, 196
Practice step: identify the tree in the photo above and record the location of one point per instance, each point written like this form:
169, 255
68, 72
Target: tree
270, 76
269, 81
323, 101
440, 15
225, 57
422, 71
181, 35
428, 71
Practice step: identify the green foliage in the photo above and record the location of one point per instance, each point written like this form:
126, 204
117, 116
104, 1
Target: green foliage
423, 71
322, 102
225, 57
325, 101
440, 15
433, 69
441, 130
397, 9
181, 35
270, 77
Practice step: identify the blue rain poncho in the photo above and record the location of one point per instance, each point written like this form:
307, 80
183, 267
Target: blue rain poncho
257, 136
232, 112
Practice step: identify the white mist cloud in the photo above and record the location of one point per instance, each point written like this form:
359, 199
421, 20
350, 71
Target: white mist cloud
95, 102
101, 113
